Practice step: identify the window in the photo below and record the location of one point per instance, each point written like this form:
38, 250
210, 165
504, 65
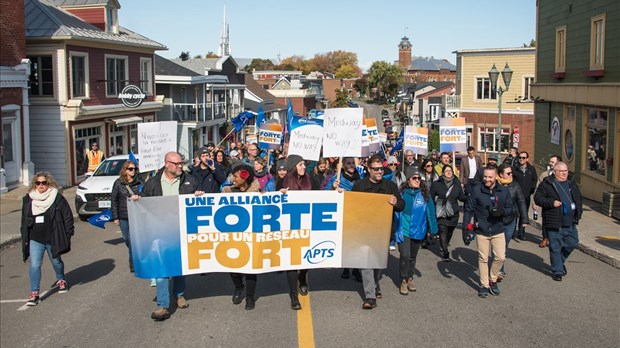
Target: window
560, 49
527, 91
483, 89
487, 140
84, 137
596, 152
111, 20
597, 42
146, 75
116, 74
41, 76
79, 75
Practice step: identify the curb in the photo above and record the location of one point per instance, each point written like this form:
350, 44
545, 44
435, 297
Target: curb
9, 242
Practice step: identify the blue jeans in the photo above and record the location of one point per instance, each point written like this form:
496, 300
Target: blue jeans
163, 290
562, 242
37, 249
509, 231
124, 224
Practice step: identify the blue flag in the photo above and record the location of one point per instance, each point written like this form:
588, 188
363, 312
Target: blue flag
290, 116
260, 118
133, 158
240, 120
399, 142
100, 219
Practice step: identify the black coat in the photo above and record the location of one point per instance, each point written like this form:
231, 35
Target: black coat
527, 180
546, 194
61, 225
208, 180
479, 204
518, 200
385, 187
187, 185
120, 194
438, 193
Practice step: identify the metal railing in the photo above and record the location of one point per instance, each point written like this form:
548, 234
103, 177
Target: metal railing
451, 101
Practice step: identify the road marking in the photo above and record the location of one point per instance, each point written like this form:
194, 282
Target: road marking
42, 296
12, 301
305, 328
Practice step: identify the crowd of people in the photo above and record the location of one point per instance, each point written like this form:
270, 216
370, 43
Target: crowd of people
427, 195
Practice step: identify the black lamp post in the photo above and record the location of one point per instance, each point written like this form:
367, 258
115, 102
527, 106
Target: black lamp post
494, 76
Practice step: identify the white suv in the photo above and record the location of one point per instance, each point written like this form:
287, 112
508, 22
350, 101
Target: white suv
94, 194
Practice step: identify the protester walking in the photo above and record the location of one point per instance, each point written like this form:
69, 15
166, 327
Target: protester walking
127, 186
418, 213
524, 174
46, 226
446, 192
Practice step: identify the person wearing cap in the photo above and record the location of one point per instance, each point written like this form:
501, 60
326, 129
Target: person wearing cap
296, 179
447, 190
93, 158
492, 161
398, 177
275, 184
375, 183
208, 173
488, 204
434, 157
416, 218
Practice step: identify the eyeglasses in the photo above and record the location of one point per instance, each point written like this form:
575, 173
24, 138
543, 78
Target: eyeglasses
178, 164
522, 157
428, 166
376, 169
392, 164
39, 183
415, 178
131, 169
509, 173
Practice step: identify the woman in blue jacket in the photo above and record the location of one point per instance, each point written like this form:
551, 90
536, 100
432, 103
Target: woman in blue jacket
418, 215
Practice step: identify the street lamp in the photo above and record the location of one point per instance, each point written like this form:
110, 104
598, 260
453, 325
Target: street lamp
493, 76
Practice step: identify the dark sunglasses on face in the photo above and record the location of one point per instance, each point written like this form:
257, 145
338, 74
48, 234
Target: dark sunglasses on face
428, 166
522, 157
376, 169
39, 183
131, 169
415, 178
392, 164
509, 173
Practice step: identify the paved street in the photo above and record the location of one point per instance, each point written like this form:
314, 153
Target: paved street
107, 306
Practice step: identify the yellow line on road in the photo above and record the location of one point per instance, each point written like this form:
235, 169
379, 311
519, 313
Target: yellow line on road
305, 328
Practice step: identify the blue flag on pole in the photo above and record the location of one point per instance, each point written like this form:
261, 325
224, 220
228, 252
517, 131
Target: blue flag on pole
100, 219
133, 158
290, 116
399, 142
240, 120
260, 118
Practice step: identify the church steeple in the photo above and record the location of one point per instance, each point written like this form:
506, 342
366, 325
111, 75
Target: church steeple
224, 42
404, 53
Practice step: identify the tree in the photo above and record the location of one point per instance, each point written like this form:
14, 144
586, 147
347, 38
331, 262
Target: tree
385, 77
184, 56
260, 64
433, 142
347, 71
294, 63
198, 56
361, 85
333, 61
532, 44
342, 99
210, 54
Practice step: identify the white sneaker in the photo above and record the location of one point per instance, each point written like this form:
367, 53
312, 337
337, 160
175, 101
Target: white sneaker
153, 282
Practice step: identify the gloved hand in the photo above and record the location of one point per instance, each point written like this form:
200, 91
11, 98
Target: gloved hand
466, 237
496, 211
398, 236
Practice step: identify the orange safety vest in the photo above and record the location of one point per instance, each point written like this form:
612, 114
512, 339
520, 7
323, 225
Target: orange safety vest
94, 158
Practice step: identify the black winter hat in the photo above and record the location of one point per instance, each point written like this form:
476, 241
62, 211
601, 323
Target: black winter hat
292, 161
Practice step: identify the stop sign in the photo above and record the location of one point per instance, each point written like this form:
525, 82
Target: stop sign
516, 130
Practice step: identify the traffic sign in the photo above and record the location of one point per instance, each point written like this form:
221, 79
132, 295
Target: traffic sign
515, 138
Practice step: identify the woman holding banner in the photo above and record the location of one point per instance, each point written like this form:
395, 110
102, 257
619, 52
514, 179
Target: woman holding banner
128, 185
243, 181
296, 179
446, 192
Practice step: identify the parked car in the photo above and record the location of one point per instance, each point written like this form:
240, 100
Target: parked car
387, 123
94, 194
384, 112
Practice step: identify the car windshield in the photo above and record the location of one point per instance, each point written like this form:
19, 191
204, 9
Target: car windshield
110, 167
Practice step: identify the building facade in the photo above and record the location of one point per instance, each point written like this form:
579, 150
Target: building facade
578, 86
477, 102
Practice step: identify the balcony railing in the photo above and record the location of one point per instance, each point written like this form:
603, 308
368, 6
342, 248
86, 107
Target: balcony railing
451, 102
187, 112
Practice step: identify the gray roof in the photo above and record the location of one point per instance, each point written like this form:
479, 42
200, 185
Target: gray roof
165, 66
430, 64
198, 65
267, 107
84, 2
43, 19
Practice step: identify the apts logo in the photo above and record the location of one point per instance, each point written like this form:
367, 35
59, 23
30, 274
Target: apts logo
320, 252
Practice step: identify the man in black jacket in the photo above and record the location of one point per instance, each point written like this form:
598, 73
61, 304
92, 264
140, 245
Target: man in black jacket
488, 204
560, 200
375, 183
525, 175
209, 174
170, 180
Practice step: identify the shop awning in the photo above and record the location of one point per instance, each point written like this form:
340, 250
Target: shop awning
124, 121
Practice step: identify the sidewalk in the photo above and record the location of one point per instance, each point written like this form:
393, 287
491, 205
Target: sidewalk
599, 235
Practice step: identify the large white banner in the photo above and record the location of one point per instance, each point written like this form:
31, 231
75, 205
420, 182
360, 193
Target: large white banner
342, 132
306, 138
155, 139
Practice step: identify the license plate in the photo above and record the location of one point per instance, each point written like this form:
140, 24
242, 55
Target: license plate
105, 204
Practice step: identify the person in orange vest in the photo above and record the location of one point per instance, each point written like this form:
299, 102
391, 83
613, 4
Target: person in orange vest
93, 158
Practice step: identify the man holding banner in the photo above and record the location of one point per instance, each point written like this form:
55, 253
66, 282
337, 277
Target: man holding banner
170, 180
375, 183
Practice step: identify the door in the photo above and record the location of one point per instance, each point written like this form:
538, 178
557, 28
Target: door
10, 153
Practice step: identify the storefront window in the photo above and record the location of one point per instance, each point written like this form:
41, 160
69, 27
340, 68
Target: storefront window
596, 138
84, 137
488, 141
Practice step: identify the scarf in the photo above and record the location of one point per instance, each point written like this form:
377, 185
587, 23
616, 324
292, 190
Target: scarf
504, 181
448, 182
41, 202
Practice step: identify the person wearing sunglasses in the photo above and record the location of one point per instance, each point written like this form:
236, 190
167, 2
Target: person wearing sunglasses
525, 174
170, 180
46, 225
375, 183
127, 186
446, 192
417, 217
505, 178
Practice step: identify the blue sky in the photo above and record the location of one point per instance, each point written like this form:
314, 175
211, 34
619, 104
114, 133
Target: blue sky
372, 29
